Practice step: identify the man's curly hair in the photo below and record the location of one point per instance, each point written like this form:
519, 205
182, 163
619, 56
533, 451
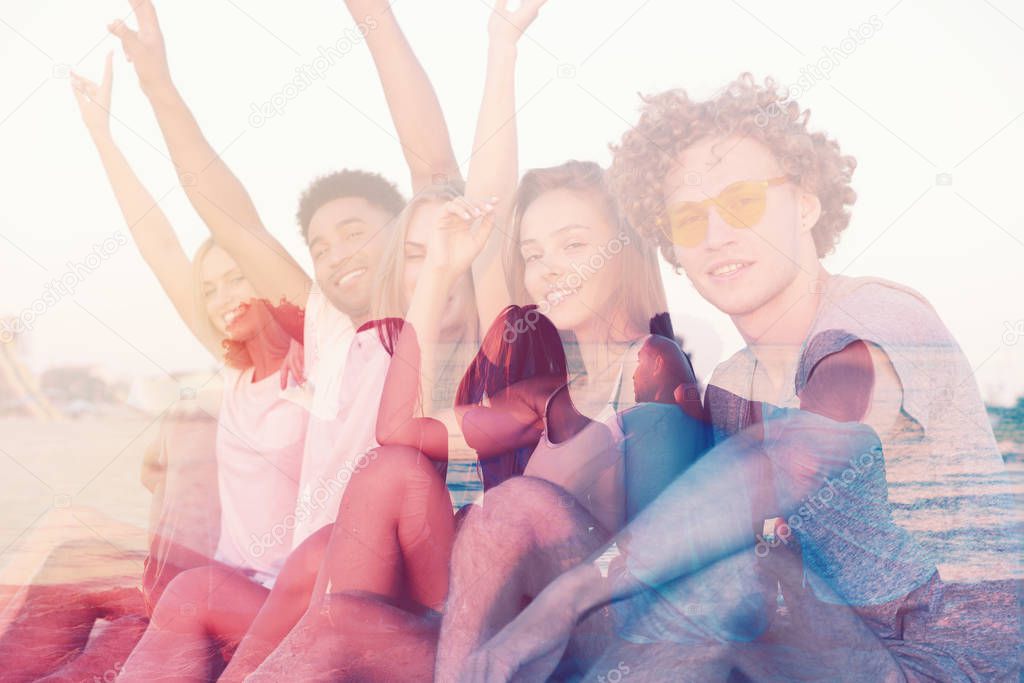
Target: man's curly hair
671, 121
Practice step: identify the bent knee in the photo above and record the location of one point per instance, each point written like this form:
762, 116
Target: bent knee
388, 465
530, 503
194, 586
527, 493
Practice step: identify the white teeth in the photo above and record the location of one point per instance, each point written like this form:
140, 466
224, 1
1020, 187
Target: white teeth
230, 316
557, 295
350, 276
727, 269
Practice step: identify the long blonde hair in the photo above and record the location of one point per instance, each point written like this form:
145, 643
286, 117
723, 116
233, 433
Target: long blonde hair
389, 309
203, 326
390, 275
642, 294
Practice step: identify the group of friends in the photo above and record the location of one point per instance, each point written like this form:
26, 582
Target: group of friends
631, 525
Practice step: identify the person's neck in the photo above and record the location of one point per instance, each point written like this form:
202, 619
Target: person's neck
359, 319
600, 344
776, 330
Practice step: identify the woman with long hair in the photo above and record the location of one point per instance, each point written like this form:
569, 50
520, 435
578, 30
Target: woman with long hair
568, 250
257, 438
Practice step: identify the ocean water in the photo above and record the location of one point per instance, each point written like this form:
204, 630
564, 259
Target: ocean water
464, 482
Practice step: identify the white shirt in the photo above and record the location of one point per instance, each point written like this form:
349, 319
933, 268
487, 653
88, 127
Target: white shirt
259, 453
345, 373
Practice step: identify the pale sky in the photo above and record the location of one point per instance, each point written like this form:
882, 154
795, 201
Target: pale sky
934, 90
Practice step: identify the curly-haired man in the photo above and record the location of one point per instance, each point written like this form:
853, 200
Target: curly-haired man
812, 542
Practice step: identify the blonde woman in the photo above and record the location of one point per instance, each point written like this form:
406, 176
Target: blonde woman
568, 250
258, 435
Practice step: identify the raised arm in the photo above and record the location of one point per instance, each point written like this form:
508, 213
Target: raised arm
215, 192
149, 226
453, 245
494, 165
415, 110
398, 423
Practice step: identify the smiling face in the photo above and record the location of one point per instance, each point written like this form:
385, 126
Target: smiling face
346, 240
738, 270
569, 247
249, 319
224, 289
425, 218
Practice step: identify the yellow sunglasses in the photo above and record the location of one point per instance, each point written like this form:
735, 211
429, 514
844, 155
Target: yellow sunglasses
741, 205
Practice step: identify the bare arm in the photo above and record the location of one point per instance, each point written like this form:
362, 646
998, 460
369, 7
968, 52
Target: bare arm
215, 192
414, 107
153, 471
453, 245
397, 423
514, 418
494, 166
150, 228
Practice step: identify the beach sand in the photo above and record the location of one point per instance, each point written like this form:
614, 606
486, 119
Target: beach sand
72, 482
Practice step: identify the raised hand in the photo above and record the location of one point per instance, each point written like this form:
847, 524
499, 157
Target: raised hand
144, 48
460, 235
94, 99
508, 25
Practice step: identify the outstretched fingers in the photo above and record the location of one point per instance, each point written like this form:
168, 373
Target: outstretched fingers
127, 36
145, 14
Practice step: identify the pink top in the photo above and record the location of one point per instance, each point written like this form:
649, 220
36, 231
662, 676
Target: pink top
260, 437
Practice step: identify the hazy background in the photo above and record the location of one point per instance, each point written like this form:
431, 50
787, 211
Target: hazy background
931, 105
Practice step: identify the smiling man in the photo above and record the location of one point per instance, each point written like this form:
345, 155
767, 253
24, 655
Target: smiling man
812, 541
346, 218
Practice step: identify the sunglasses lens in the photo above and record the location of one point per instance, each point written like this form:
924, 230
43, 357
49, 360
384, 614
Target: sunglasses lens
689, 225
742, 205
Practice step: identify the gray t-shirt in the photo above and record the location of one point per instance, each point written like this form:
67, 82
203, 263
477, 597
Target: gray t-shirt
942, 464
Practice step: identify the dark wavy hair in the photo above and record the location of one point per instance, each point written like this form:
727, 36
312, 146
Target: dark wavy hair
533, 349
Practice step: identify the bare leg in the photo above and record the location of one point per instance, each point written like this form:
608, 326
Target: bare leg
52, 625
355, 638
283, 608
527, 532
394, 531
201, 611
105, 654
389, 555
